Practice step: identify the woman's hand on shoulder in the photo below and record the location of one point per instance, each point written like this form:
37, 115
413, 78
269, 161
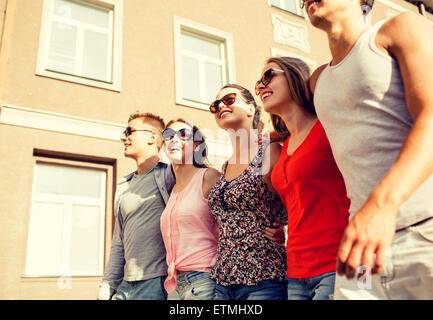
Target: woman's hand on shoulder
211, 176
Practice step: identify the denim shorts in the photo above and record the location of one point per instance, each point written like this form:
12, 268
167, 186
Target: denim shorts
195, 285
151, 289
315, 288
265, 290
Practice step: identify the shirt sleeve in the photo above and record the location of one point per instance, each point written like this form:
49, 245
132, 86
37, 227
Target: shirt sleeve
113, 275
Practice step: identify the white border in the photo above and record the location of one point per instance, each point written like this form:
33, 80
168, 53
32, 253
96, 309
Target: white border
304, 14
66, 272
51, 121
56, 122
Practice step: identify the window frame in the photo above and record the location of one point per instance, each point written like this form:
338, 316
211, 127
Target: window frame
105, 223
299, 12
114, 59
183, 25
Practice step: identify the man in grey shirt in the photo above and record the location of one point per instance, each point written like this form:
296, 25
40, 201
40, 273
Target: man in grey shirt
137, 269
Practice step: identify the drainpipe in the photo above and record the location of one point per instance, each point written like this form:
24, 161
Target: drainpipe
5, 44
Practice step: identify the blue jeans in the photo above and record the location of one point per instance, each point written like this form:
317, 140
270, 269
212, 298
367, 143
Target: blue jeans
195, 285
265, 290
315, 288
151, 289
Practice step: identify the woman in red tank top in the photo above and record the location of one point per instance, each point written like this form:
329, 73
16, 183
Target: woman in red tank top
306, 178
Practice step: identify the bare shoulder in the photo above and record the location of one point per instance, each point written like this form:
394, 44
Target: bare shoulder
408, 38
404, 30
269, 161
210, 177
404, 20
275, 149
315, 76
272, 156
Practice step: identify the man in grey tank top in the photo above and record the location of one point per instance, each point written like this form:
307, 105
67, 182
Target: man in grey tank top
136, 269
375, 101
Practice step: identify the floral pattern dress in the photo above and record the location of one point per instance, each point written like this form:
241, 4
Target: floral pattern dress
243, 208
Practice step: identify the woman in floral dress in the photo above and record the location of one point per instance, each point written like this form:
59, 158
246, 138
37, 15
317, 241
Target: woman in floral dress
249, 265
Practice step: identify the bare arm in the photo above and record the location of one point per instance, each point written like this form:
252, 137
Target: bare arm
210, 178
269, 163
275, 233
315, 76
409, 39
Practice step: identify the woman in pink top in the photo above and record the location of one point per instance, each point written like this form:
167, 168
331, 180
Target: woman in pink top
189, 230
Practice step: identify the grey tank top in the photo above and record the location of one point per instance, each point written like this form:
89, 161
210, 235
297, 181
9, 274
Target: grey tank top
361, 105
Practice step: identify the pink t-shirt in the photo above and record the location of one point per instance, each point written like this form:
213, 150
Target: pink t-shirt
189, 231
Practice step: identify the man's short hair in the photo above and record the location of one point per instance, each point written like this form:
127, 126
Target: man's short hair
151, 119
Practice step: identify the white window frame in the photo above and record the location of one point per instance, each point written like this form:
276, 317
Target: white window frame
69, 201
299, 12
227, 53
114, 59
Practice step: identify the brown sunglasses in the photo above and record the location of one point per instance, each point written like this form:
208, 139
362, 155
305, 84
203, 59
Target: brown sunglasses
266, 78
228, 100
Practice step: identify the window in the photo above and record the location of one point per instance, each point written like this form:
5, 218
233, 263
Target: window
292, 6
204, 63
67, 220
80, 42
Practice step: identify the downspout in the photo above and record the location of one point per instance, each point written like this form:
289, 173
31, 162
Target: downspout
5, 44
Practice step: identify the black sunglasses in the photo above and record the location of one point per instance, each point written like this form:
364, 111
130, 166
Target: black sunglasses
266, 78
183, 134
129, 130
302, 4
228, 100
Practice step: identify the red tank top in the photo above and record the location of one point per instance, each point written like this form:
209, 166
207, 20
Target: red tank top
313, 191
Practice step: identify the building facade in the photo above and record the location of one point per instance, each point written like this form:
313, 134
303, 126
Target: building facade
71, 73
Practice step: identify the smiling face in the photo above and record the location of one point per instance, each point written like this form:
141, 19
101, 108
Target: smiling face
180, 150
311, 5
237, 115
275, 96
322, 13
140, 143
312, 8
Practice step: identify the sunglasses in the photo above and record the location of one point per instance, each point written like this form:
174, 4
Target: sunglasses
302, 4
266, 78
228, 100
129, 130
183, 134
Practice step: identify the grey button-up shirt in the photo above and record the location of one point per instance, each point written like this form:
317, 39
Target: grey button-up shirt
137, 249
